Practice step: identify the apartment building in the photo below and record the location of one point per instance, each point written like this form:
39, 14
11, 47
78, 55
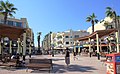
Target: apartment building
70, 35
61, 40
46, 43
58, 40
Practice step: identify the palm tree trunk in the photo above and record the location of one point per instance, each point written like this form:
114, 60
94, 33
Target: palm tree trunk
38, 39
38, 45
116, 26
5, 18
92, 26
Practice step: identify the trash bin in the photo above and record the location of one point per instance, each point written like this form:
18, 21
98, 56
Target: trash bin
113, 63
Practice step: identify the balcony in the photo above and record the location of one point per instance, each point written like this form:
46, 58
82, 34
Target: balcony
13, 23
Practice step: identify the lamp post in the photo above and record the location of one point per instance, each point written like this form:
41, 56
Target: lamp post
0, 51
6, 42
90, 48
24, 45
93, 44
29, 46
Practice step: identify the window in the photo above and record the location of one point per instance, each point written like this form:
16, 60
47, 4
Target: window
76, 36
66, 36
67, 42
10, 23
18, 24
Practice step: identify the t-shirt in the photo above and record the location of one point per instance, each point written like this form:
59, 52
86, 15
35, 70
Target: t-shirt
67, 54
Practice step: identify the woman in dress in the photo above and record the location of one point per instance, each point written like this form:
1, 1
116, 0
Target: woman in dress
67, 57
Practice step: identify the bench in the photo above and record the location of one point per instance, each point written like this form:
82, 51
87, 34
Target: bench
40, 64
10, 63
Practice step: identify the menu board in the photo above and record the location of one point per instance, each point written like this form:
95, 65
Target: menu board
117, 58
110, 69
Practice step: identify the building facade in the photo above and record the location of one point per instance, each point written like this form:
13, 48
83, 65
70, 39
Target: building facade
70, 35
17, 36
15, 22
61, 40
46, 42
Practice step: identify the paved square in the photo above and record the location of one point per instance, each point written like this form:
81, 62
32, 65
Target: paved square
82, 65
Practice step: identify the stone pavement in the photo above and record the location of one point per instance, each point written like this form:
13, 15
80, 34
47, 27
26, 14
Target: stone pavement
82, 65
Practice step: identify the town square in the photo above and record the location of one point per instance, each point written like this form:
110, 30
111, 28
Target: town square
59, 37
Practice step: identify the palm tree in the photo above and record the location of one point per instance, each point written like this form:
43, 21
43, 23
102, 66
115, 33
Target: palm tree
38, 39
118, 20
6, 9
107, 25
92, 19
112, 14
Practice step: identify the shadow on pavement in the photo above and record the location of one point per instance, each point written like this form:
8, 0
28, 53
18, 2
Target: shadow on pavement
71, 68
57, 59
12, 68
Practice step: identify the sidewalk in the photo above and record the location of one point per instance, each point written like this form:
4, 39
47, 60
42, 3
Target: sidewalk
84, 65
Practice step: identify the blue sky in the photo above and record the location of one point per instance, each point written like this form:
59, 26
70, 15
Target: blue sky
60, 15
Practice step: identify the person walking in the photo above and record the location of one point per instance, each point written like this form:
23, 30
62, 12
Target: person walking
74, 55
67, 57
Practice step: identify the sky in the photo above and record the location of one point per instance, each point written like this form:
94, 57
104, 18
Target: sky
61, 15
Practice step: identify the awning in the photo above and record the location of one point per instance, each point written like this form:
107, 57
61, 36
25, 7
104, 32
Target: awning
101, 33
12, 32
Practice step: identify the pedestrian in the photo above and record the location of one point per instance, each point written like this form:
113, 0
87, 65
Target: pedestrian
67, 57
74, 55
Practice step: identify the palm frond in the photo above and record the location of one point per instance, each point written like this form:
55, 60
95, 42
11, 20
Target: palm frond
96, 21
13, 9
10, 5
2, 13
7, 2
108, 8
88, 19
93, 15
3, 5
114, 13
10, 15
1, 9
109, 14
39, 33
